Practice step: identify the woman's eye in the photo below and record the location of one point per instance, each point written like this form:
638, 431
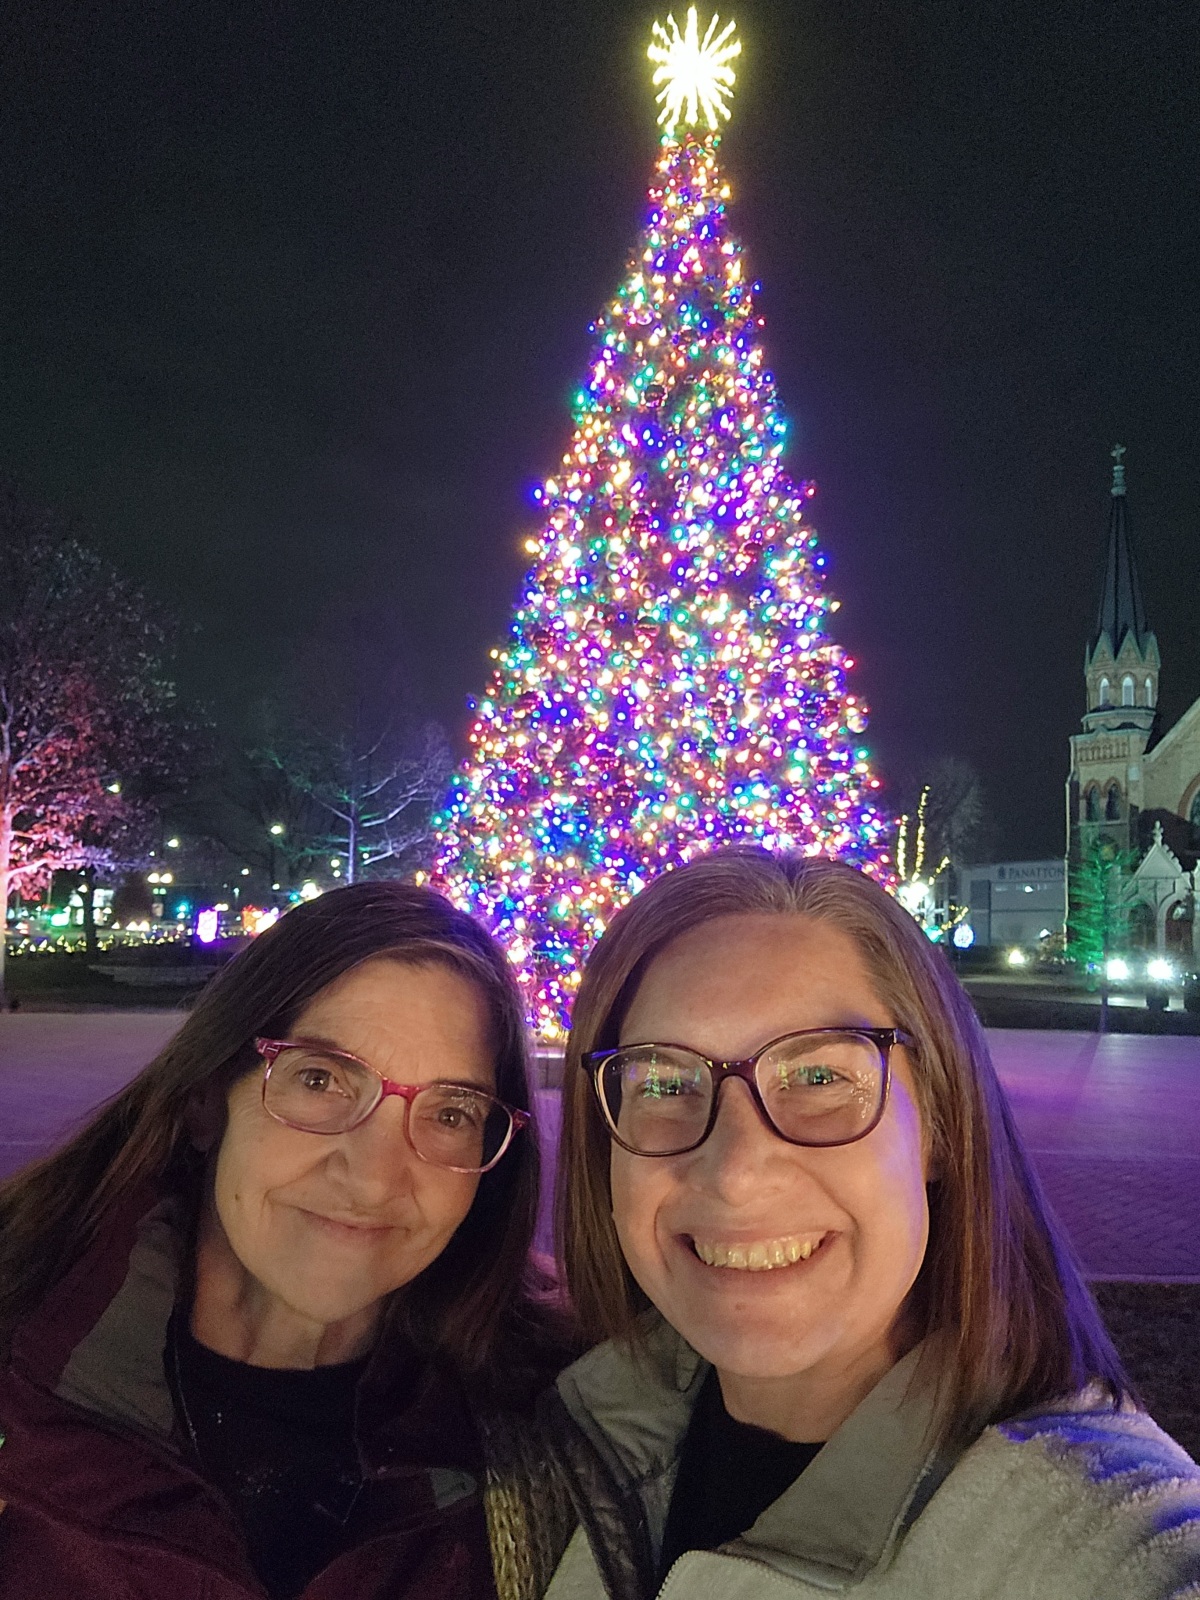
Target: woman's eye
316, 1078
810, 1078
459, 1116
663, 1088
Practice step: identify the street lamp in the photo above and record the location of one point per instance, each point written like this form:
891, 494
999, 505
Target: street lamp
276, 830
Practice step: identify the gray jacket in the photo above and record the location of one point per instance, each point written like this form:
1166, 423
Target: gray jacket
1077, 1503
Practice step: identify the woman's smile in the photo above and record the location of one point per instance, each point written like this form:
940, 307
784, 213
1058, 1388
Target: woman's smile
351, 1227
758, 1255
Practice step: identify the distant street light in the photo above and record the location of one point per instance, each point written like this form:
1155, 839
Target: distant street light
276, 830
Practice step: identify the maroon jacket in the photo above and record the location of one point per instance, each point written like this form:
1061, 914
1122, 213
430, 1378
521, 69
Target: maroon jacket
103, 1502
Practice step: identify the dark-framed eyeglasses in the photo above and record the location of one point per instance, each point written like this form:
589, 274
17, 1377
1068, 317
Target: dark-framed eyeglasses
320, 1090
817, 1087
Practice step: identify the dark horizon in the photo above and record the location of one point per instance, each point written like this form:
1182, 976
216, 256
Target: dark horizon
294, 304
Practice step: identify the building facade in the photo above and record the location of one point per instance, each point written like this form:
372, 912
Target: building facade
1014, 904
1134, 786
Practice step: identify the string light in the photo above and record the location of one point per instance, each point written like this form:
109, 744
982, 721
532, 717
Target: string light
667, 685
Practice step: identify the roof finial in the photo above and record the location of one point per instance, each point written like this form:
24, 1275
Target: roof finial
1118, 469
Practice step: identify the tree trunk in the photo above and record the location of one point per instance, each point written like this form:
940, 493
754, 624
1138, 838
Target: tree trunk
87, 893
5, 860
352, 841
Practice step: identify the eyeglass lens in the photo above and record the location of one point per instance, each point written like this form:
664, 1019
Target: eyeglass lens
817, 1090
450, 1125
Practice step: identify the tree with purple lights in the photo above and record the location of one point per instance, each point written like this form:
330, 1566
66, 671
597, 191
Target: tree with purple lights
87, 715
669, 684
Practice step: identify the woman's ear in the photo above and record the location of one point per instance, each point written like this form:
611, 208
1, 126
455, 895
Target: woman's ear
204, 1115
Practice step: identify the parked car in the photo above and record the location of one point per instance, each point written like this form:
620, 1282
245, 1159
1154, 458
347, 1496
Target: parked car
1155, 975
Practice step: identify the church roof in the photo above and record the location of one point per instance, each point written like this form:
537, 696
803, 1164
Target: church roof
1121, 609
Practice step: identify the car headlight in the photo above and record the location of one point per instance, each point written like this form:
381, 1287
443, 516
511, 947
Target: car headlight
1160, 971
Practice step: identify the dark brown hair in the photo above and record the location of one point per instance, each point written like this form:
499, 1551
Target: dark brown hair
998, 1278
463, 1302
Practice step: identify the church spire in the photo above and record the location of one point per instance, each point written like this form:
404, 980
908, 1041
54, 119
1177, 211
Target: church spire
1121, 609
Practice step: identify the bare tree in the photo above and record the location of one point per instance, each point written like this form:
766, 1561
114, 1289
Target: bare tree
957, 821
301, 798
379, 793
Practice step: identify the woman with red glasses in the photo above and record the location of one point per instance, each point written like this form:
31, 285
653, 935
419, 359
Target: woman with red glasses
270, 1323
845, 1345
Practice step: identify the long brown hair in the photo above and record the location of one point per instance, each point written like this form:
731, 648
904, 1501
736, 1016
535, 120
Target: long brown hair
999, 1278
463, 1303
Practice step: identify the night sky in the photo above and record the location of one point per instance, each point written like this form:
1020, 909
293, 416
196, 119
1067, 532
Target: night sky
293, 298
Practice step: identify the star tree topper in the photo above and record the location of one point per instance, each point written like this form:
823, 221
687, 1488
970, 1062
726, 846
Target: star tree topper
696, 76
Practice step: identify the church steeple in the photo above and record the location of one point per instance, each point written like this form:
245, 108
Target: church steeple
1122, 662
1121, 609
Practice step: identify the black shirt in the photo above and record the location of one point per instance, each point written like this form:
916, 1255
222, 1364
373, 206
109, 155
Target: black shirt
280, 1446
729, 1473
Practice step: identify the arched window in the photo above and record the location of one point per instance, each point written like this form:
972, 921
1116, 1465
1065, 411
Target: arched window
1127, 691
1104, 699
1149, 691
1194, 813
1091, 805
1112, 804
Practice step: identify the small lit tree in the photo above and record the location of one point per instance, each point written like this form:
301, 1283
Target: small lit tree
917, 882
1097, 911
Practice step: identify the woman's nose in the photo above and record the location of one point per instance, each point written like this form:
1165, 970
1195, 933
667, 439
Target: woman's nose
737, 1154
377, 1155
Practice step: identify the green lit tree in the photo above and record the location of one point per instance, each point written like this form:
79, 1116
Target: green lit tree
1097, 912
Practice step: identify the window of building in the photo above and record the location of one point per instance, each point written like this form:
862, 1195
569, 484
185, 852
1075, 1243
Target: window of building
1126, 691
1091, 805
1149, 691
1104, 692
1112, 803
1194, 813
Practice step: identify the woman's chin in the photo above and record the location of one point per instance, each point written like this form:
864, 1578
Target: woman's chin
759, 1350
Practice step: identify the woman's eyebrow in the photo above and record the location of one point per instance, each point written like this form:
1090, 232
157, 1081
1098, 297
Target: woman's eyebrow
323, 1042
484, 1082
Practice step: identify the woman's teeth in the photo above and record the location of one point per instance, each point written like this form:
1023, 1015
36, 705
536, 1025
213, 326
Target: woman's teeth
763, 1256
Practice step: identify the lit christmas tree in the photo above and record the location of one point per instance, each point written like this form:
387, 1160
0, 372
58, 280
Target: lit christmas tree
668, 685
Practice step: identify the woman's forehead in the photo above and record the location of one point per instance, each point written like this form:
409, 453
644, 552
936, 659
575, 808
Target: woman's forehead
384, 1003
753, 976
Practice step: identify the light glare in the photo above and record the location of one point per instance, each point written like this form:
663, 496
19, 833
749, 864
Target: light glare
695, 73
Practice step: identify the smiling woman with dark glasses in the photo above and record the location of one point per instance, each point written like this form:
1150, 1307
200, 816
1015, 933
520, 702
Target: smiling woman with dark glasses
846, 1345
270, 1321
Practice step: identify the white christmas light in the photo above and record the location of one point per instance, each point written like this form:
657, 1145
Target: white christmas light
695, 73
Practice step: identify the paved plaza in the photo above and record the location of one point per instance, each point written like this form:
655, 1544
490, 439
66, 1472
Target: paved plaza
1113, 1122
